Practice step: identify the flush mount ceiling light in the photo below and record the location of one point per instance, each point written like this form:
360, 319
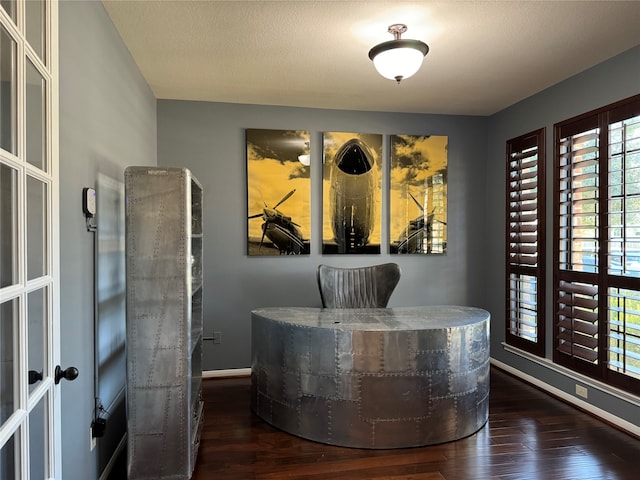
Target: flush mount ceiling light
398, 59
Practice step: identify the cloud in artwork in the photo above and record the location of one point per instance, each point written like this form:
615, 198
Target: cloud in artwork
416, 158
281, 145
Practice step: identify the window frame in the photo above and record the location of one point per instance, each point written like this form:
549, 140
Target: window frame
575, 289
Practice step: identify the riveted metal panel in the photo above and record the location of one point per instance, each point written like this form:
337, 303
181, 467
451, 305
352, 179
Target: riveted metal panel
164, 322
372, 378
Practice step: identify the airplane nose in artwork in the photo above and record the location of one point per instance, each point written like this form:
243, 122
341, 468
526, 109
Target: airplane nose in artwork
353, 159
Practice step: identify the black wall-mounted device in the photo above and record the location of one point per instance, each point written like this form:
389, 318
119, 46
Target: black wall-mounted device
89, 201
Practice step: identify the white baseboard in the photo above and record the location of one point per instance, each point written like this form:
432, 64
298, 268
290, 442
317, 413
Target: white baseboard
233, 372
570, 399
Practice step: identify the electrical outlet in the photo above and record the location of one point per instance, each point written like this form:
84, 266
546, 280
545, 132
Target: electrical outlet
217, 338
92, 440
582, 391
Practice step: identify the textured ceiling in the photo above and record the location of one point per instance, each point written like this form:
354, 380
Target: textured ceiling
484, 55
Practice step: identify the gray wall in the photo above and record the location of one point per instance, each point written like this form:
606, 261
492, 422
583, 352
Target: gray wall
606, 83
208, 138
107, 121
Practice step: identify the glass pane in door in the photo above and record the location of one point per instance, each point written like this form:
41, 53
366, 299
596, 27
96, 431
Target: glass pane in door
9, 7
8, 226
8, 94
8, 359
35, 116
38, 455
34, 19
8, 459
37, 336
36, 228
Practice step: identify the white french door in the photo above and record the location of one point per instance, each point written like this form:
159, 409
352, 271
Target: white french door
29, 260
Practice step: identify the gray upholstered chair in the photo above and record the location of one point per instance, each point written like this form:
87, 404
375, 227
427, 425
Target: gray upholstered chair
362, 287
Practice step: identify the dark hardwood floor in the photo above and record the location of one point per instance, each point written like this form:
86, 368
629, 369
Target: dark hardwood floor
529, 435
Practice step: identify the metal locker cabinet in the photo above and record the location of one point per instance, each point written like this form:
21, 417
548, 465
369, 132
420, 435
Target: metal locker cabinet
164, 321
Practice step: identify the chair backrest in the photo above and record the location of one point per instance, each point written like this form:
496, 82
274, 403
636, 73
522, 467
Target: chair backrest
362, 287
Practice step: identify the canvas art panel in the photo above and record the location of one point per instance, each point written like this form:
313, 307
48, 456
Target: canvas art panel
418, 194
351, 192
278, 192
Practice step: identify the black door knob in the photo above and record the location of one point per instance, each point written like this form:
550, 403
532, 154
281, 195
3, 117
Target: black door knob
70, 373
34, 377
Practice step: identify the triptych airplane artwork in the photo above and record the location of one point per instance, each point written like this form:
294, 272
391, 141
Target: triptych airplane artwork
279, 184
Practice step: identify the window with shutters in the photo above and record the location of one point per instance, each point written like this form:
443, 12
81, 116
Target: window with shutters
525, 242
597, 244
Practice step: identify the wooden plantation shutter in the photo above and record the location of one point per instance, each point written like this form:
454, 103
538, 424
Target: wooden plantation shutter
577, 222
578, 321
525, 242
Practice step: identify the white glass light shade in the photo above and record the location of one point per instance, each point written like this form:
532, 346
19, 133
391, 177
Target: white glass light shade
398, 63
398, 58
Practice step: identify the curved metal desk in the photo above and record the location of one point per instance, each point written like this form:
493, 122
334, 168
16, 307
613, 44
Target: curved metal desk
372, 378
